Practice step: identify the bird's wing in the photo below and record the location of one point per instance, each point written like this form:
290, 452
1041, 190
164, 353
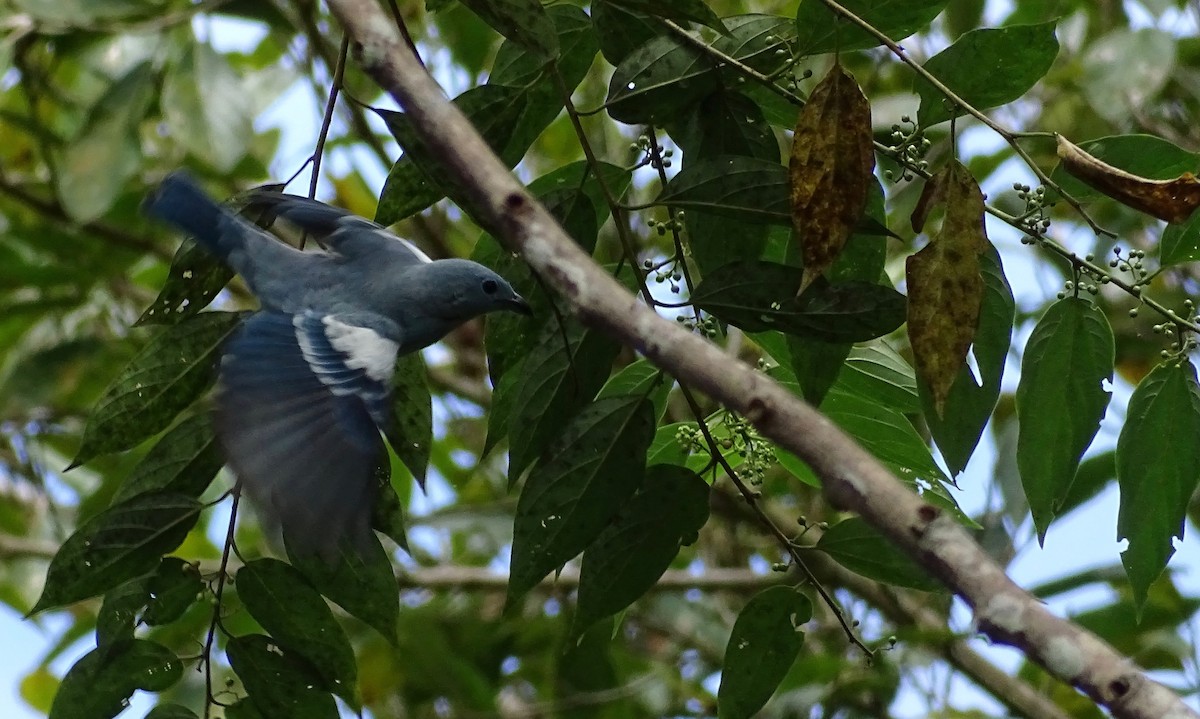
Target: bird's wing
299, 405
342, 232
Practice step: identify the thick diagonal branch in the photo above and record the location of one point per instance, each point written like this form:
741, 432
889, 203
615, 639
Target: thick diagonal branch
853, 479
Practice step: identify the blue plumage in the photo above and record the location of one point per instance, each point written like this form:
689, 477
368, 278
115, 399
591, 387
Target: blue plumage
305, 384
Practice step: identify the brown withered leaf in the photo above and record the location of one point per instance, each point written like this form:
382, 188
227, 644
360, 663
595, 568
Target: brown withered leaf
830, 170
1171, 200
945, 287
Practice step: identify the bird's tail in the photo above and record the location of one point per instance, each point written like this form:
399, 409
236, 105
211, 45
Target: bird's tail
181, 202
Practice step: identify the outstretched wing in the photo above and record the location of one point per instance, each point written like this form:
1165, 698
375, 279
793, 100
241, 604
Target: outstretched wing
344, 233
299, 405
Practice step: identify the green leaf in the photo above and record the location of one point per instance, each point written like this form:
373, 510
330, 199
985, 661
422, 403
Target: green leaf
120, 611
171, 711
417, 180
184, 461
194, 279
819, 30
633, 552
587, 475
206, 107
93, 168
726, 123
522, 21
120, 543
359, 580
658, 81
160, 382
1144, 155
816, 365
766, 640
411, 432
621, 30
642, 379
885, 433
680, 10
857, 546
982, 69
969, 404
279, 598
1061, 400
761, 296
754, 40
560, 377
388, 514
1158, 466
1180, 242
173, 588
100, 684
741, 188
279, 682
876, 370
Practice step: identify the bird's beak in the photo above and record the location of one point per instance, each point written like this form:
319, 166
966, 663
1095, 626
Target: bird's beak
519, 305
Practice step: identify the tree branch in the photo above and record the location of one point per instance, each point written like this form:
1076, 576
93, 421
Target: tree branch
852, 478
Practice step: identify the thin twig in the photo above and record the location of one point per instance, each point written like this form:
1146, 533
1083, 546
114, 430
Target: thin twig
222, 575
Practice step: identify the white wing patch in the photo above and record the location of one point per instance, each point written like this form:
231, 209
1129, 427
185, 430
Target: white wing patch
416, 251
364, 348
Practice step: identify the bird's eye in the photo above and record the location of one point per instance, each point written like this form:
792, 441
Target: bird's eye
490, 286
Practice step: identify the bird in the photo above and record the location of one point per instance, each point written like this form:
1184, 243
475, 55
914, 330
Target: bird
304, 384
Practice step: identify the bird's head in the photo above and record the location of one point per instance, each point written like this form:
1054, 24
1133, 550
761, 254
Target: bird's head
467, 289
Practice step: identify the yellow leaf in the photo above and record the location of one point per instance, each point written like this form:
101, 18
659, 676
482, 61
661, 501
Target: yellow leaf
1171, 200
832, 165
945, 287
38, 689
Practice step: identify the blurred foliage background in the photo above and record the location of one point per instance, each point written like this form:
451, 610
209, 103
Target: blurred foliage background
99, 99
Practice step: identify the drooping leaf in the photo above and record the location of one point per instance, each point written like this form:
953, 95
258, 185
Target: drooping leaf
411, 432
92, 169
742, 188
761, 296
632, 553
280, 683
877, 370
100, 684
831, 169
1158, 467
726, 123
1173, 200
184, 461
561, 375
120, 611
1061, 400
116, 545
640, 378
587, 475
765, 642
206, 107
945, 287
680, 10
295, 615
359, 580
1144, 156
982, 69
656, 82
159, 383
859, 547
820, 30
522, 21
194, 279
970, 402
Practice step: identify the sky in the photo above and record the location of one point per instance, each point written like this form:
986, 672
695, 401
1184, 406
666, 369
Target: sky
1074, 543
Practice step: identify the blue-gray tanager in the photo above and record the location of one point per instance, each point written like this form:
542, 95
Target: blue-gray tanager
305, 383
